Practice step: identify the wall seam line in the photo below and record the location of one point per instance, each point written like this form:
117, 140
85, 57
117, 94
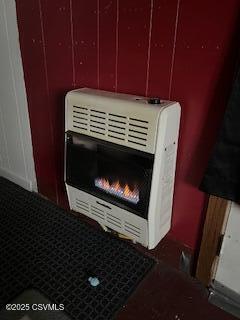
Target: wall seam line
117, 44
72, 40
149, 47
47, 86
173, 51
98, 43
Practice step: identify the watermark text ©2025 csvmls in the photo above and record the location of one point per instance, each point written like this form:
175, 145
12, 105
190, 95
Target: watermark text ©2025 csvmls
35, 307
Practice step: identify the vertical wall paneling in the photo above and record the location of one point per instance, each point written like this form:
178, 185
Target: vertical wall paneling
58, 57
16, 158
72, 45
149, 46
203, 43
161, 49
117, 45
31, 42
85, 21
177, 49
173, 49
133, 40
107, 44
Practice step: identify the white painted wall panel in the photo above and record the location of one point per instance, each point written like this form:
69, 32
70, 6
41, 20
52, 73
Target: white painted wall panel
228, 269
16, 157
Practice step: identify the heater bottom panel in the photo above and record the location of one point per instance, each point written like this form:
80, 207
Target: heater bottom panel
109, 215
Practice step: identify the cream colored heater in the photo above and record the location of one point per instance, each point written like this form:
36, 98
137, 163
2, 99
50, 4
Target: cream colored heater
120, 161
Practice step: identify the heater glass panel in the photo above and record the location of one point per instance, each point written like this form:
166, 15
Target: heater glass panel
114, 173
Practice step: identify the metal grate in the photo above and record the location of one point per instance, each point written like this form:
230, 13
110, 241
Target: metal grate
119, 128
45, 248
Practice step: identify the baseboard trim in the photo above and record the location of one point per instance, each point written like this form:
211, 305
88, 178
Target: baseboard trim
26, 184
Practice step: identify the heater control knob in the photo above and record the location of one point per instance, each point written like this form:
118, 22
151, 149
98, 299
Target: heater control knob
154, 101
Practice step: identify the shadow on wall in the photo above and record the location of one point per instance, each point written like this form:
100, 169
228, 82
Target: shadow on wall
58, 120
213, 119
217, 106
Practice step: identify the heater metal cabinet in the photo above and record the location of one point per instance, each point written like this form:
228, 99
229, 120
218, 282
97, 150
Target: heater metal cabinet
120, 161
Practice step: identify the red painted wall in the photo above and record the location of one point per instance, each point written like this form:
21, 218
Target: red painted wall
182, 50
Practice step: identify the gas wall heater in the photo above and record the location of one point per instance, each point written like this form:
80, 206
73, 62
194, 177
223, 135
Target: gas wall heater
120, 156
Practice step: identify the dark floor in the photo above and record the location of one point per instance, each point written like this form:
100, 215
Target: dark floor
167, 293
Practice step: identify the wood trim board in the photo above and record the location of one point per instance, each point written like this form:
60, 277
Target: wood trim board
214, 228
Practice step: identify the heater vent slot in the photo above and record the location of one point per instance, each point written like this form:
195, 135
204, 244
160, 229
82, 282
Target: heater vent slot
80, 108
115, 127
96, 127
82, 206
97, 111
118, 128
136, 142
117, 116
115, 137
79, 113
134, 230
97, 121
97, 212
79, 122
94, 131
97, 117
138, 120
78, 127
139, 138
116, 132
111, 219
138, 131
117, 121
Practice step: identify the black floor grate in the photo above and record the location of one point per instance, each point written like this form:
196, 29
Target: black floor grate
46, 248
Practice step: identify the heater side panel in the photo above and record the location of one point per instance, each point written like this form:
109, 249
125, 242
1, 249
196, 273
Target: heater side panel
161, 199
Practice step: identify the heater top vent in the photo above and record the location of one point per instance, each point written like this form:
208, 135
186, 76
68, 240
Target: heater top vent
119, 118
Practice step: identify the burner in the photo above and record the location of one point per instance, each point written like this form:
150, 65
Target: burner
117, 190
